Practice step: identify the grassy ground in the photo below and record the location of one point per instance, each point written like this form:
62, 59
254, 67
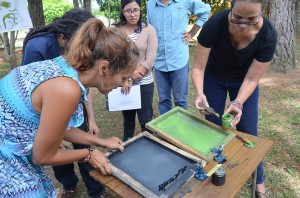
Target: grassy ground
279, 121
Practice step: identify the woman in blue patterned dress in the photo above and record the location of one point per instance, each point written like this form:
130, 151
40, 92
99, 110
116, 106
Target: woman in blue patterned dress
40, 105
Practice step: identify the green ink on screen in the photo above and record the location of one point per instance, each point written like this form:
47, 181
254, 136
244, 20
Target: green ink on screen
191, 132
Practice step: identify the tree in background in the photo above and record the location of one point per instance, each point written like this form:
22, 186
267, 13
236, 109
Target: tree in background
111, 8
218, 5
283, 16
298, 14
8, 40
35, 8
55, 8
36, 13
85, 4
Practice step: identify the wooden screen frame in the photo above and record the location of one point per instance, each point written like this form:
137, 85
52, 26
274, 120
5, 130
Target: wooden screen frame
152, 125
137, 186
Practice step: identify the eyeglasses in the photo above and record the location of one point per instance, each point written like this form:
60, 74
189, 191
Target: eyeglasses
243, 21
239, 22
129, 12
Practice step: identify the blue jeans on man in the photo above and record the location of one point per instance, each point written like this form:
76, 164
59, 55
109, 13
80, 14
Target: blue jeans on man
216, 91
173, 81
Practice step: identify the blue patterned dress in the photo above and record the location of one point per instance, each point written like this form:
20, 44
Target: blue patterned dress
19, 176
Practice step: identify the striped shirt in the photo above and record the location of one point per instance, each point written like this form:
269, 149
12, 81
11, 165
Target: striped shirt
149, 77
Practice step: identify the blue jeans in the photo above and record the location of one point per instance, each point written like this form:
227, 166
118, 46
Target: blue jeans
175, 81
144, 114
65, 174
216, 91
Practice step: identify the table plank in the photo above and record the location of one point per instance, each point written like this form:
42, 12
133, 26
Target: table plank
235, 178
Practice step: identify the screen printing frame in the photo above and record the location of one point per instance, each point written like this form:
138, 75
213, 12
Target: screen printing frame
181, 140
136, 185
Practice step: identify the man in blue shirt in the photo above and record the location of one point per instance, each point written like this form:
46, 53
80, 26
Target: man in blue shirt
170, 19
43, 48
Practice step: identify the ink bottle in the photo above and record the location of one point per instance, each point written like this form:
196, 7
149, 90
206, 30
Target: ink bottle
226, 120
218, 178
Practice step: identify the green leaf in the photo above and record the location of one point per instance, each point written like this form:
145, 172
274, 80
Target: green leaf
290, 171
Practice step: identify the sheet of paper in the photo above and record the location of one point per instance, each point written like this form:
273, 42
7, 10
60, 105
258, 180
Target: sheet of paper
118, 101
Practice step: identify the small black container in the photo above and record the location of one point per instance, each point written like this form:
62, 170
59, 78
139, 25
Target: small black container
218, 178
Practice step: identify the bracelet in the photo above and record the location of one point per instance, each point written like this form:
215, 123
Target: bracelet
237, 104
130, 80
88, 157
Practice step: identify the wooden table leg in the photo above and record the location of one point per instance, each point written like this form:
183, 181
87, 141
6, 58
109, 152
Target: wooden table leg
254, 175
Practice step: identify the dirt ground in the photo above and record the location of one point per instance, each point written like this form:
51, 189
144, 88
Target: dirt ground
274, 79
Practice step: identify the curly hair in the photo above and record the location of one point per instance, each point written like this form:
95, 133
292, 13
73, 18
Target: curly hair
66, 25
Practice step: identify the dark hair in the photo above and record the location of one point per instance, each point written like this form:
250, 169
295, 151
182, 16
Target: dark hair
94, 42
251, 1
66, 25
123, 19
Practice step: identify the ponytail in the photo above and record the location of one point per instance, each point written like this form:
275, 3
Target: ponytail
80, 53
93, 41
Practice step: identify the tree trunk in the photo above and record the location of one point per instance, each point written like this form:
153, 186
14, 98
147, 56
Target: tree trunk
6, 44
298, 14
75, 3
12, 56
109, 13
87, 6
36, 12
283, 17
9, 48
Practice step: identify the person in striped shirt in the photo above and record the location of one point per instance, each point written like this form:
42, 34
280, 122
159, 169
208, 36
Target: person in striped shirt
145, 38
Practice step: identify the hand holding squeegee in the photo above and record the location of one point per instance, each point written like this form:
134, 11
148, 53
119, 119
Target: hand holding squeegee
208, 109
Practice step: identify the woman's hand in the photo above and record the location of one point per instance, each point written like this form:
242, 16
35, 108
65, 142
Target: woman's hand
99, 161
126, 88
201, 98
186, 37
236, 112
93, 128
137, 75
114, 143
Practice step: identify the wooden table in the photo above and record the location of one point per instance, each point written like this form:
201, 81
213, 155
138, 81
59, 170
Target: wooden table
235, 177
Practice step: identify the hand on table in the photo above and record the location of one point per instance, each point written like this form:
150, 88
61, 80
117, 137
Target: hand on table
99, 161
114, 143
